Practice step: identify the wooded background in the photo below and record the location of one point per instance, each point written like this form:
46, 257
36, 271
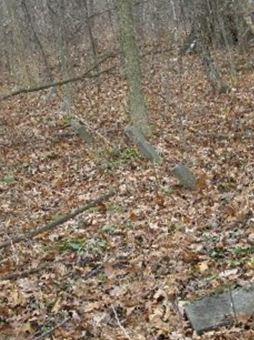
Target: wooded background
37, 35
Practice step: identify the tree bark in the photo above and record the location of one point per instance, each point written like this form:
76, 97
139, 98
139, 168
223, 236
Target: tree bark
137, 105
38, 41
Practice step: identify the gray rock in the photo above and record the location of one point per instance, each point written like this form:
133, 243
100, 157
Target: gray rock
82, 131
213, 312
185, 176
210, 313
244, 301
145, 148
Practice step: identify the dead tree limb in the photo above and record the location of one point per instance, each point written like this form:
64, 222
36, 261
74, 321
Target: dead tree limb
61, 82
52, 329
57, 222
21, 274
74, 79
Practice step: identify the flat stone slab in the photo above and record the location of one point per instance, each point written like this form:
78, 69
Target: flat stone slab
220, 310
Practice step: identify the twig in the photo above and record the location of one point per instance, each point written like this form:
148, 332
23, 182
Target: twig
112, 9
119, 323
73, 79
57, 222
61, 82
51, 330
25, 273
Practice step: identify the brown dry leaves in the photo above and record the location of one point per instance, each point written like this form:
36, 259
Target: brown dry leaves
153, 246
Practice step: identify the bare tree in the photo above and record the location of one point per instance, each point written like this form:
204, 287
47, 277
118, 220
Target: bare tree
37, 40
18, 54
137, 105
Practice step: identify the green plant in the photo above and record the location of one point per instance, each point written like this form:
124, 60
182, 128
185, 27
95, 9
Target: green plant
217, 253
243, 251
212, 277
66, 120
168, 191
211, 238
119, 157
8, 180
94, 246
129, 154
102, 277
109, 229
73, 245
115, 208
129, 224
236, 263
93, 210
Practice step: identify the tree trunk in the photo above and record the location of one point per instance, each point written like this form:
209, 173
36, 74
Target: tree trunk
137, 105
38, 42
91, 37
20, 70
209, 16
212, 25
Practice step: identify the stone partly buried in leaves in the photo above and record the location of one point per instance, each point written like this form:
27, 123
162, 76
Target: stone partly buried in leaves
185, 176
82, 131
223, 309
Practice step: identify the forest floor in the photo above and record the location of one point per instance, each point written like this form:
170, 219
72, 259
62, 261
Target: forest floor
125, 268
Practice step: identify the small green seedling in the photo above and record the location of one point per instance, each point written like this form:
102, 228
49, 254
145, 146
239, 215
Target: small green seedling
94, 246
109, 229
8, 180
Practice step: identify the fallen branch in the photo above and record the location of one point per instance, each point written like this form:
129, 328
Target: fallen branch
57, 222
51, 330
21, 274
119, 323
47, 265
74, 79
61, 82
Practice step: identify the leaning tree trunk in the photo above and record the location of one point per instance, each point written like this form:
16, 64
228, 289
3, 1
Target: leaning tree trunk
137, 105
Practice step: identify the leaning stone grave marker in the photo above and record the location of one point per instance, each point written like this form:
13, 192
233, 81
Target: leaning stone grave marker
220, 310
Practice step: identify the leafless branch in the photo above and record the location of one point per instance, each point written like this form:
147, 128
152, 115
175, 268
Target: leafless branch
119, 323
51, 330
57, 222
61, 82
21, 274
